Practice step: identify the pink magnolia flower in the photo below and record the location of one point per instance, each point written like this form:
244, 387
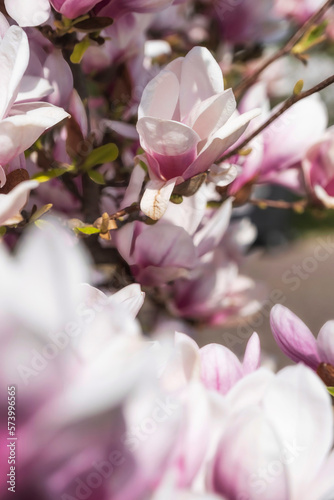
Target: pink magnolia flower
215, 365
318, 169
269, 162
297, 341
186, 122
22, 119
279, 447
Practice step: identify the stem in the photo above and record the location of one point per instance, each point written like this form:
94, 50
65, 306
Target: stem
287, 104
125, 211
248, 82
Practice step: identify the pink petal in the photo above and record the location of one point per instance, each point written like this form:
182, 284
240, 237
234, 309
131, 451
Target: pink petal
219, 142
249, 447
172, 144
293, 336
33, 88
2, 177
160, 97
211, 114
325, 343
252, 357
201, 78
299, 408
220, 368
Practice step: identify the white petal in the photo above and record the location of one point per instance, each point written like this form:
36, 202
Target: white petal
299, 407
212, 114
201, 78
33, 88
160, 96
213, 231
14, 57
219, 142
12, 203
31, 13
19, 132
156, 197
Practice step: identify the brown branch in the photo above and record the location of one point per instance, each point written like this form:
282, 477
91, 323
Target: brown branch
248, 82
287, 104
125, 211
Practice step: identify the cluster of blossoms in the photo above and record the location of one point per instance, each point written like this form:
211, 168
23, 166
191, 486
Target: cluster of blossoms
131, 157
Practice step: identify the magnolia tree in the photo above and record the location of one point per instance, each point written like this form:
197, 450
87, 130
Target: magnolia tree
135, 136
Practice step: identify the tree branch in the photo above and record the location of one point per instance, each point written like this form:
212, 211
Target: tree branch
248, 82
287, 104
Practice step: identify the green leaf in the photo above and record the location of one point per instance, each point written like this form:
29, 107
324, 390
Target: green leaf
51, 174
96, 177
3, 231
79, 50
87, 230
101, 155
315, 35
330, 390
176, 199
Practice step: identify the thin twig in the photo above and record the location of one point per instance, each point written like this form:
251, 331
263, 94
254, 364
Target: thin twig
248, 82
125, 211
287, 104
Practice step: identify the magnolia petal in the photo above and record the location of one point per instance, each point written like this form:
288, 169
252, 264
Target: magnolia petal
189, 353
219, 142
32, 13
33, 88
299, 407
12, 203
160, 97
249, 445
19, 132
201, 78
325, 343
323, 196
220, 368
213, 231
131, 297
252, 357
211, 114
134, 187
293, 336
156, 197
171, 143
14, 57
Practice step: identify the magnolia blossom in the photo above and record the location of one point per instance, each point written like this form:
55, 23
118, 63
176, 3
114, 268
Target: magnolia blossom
23, 119
297, 341
268, 162
277, 442
186, 122
318, 169
218, 367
